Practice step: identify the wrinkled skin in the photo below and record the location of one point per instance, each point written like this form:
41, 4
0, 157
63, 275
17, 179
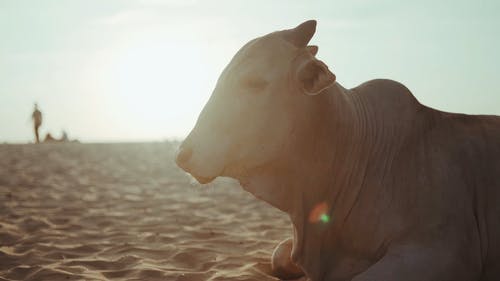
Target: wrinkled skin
377, 186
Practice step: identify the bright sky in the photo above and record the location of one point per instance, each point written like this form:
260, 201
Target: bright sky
120, 70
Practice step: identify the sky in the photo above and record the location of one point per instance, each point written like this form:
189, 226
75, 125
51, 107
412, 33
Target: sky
141, 70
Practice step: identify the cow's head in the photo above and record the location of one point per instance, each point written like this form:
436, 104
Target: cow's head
247, 119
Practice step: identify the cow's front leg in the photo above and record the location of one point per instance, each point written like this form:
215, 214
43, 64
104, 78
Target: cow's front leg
281, 262
425, 263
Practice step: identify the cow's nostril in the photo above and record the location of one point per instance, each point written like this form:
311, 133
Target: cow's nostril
183, 156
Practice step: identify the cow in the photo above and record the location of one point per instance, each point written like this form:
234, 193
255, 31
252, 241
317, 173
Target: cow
378, 187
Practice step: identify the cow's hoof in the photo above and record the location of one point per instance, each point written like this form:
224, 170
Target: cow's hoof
281, 262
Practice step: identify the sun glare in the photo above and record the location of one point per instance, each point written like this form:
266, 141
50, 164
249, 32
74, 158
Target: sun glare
153, 86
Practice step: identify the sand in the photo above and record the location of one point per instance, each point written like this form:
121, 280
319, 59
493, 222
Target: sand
126, 212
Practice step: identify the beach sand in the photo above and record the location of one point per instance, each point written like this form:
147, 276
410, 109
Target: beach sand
125, 212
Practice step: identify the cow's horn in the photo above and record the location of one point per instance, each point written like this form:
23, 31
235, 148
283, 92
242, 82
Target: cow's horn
302, 34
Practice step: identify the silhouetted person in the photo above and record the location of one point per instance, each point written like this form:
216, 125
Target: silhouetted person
64, 136
37, 121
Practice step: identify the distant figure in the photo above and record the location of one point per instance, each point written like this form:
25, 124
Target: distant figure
64, 136
37, 121
49, 138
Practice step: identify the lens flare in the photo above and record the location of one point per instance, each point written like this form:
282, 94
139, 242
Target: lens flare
325, 218
319, 213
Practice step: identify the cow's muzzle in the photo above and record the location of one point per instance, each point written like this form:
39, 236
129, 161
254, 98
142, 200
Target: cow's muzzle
182, 160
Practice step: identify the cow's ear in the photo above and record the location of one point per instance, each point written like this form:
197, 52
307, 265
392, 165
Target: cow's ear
314, 76
312, 49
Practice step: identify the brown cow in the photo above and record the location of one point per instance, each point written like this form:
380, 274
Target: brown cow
378, 187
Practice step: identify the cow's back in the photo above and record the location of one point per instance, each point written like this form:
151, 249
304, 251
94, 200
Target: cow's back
463, 157
476, 145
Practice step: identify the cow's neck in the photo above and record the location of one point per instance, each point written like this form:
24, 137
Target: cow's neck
317, 144
321, 156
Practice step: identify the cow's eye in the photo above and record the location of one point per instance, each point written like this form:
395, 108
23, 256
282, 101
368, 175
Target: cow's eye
256, 84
